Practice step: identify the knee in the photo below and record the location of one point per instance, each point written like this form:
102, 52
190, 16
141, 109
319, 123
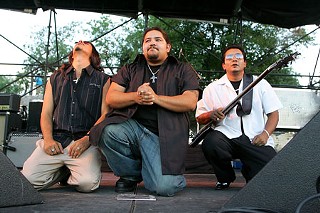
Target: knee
29, 176
165, 190
87, 185
169, 188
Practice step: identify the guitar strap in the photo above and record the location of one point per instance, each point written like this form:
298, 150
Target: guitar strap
246, 106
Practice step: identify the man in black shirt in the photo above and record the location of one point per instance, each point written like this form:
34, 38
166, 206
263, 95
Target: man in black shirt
145, 135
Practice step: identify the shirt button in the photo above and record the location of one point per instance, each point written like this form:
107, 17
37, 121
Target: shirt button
72, 115
73, 102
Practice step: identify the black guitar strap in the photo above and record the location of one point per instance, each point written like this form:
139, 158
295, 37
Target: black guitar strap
246, 106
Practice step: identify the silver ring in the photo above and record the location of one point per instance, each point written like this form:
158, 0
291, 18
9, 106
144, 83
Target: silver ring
52, 150
78, 148
218, 119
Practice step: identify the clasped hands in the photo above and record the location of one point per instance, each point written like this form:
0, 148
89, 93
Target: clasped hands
145, 95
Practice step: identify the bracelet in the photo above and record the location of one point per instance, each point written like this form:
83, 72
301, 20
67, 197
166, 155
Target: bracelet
266, 132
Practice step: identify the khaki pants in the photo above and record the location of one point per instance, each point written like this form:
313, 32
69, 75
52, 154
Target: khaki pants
40, 168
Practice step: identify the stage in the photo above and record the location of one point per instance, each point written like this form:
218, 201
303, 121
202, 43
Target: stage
198, 196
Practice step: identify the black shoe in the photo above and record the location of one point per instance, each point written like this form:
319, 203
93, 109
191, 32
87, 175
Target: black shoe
222, 186
124, 185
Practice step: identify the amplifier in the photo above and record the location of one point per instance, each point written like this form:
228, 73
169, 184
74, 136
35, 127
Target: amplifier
20, 146
9, 102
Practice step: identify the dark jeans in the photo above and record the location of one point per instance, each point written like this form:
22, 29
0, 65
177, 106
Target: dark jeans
220, 151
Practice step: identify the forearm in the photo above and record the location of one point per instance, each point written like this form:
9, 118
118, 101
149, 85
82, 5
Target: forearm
46, 126
204, 118
118, 100
180, 103
272, 122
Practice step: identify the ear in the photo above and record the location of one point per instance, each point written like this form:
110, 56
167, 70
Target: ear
223, 66
168, 48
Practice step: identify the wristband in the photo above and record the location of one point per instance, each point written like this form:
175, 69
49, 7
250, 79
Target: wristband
266, 132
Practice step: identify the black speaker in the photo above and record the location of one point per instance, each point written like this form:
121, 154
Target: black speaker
9, 102
8, 122
289, 178
20, 146
15, 188
33, 123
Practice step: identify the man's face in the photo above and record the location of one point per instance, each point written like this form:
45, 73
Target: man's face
83, 46
234, 61
155, 47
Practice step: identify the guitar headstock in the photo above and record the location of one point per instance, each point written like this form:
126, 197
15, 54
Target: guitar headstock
284, 61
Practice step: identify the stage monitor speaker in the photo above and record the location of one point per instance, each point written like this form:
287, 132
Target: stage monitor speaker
288, 179
33, 123
20, 146
8, 122
15, 189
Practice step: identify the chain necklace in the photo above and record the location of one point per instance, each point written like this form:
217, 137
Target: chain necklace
154, 77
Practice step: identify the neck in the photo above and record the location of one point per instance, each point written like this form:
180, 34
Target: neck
80, 63
235, 76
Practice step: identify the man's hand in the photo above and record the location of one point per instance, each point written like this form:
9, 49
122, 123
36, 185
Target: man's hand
52, 147
78, 147
217, 115
146, 95
261, 139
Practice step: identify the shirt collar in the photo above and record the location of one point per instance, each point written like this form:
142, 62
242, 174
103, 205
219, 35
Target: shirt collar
225, 81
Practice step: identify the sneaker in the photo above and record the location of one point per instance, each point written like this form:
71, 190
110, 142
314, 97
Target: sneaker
222, 186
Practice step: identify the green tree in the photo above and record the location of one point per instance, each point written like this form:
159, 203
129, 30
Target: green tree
7, 87
45, 57
202, 42
199, 43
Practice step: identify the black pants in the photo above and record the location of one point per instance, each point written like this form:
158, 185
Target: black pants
220, 151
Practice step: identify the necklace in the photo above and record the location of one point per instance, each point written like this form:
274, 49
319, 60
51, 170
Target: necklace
154, 77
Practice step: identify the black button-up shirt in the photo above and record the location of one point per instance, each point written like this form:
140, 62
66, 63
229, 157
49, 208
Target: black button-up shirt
174, 78
77, 102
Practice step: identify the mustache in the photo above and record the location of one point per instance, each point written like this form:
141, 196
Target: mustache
77, 48
153, 47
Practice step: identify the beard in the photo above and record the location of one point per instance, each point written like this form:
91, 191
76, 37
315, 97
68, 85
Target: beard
153, 56
77, 48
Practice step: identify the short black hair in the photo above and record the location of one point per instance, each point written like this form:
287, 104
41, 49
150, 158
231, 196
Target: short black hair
233, 46
164, 34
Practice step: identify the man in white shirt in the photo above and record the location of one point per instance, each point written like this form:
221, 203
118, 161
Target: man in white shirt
241, 134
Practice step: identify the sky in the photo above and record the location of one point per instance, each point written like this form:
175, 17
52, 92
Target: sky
17, 28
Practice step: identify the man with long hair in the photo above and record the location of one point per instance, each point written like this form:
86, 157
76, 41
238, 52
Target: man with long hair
74, 101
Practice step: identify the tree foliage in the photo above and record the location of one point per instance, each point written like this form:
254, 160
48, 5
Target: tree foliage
47, 51
201, 43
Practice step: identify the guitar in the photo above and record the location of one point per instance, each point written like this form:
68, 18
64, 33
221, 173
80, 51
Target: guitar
277, 65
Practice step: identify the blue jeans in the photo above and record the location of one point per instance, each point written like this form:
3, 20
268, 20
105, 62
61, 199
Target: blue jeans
132, 152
